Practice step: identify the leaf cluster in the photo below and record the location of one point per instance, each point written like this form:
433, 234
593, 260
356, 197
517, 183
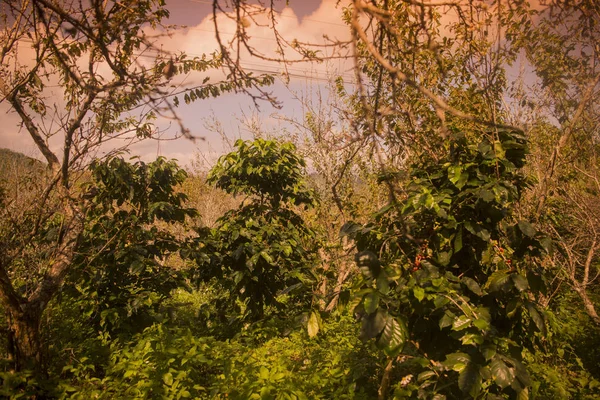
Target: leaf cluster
448, 278
262, 254
120, 272
266, 169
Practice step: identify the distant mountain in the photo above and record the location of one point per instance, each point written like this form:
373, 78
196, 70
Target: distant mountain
12, 158
18, 164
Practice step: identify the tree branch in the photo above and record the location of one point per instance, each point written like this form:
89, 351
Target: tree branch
53, 162
55, 277
8, 295
75, 124
567, 133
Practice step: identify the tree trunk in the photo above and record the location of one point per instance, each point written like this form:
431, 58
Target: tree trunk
588, 305
25, 313
385, 380
24, 338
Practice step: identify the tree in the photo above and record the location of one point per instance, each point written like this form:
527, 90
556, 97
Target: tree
448, 279
560, 42
263, 249
570, 216
120, 277
92, 71
424, 69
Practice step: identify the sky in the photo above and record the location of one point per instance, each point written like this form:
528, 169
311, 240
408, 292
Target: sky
306, 20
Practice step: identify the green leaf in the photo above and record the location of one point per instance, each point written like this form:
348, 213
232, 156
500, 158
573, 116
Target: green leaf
431, 270
482, 324
523, 394
456, 361
371, 302
266, 257
471, 339
546, 243
536, 317
527, 228
458, 240
520, 282
168, 379
350, 229
263, 373
502, 374
419, 293
383, 284
469, 379
488, 351
437, 282
521, 374
373, 324
498, 281
499, 150
513, 306
472, 285
447, 320
477, 230
443, 258
439, 301
484, 234
313, 325
486, 195
460, 323
425, 375
393, 337
287, 250
457, 176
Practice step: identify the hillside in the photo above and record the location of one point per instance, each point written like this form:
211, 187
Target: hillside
12, 162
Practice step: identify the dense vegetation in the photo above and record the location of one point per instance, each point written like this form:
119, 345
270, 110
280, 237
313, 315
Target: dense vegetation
443, 246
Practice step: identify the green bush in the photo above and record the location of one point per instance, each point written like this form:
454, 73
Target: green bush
449, 280
171, 363
261, 255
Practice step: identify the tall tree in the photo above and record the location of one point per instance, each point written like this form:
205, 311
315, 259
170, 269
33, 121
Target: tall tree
78, 75
560, 42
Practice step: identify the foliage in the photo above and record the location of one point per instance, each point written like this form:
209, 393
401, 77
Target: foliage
85, 67
120, 272
264, 168
565, 366
262, 253
457, 293
172, 363
561, 112
446, 271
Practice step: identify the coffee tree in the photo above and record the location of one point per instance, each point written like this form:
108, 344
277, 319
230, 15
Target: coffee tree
262, 254
449, 279
120, 276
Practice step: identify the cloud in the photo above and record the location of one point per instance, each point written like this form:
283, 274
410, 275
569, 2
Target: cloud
200, 39
325, 21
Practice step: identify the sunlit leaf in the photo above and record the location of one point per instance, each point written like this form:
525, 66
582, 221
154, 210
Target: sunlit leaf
393, 337
313, 325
